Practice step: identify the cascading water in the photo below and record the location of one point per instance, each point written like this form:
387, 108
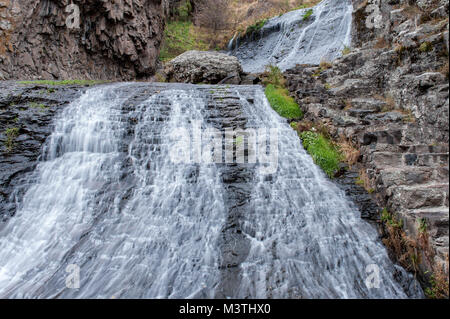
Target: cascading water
108, 198
297, 37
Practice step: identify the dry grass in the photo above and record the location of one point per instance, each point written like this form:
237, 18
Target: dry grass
439, 282
381, 43
365, 181
444, 70
404, 248
325, 65
348, 150
390, 102
348, 105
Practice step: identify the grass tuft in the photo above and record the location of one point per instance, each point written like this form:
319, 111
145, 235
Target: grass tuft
258, 25
282, 103
425, 47
323, 152
11, 134
308, 14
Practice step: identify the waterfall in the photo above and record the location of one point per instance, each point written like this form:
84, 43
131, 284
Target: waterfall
297, 37
108, 199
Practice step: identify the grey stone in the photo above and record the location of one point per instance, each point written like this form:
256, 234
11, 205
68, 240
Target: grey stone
207, 67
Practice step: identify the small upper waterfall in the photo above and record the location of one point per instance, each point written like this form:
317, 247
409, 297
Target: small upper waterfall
109, 198
305, 36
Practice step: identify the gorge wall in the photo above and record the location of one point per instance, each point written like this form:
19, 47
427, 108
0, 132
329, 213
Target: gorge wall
114, 40
388, 95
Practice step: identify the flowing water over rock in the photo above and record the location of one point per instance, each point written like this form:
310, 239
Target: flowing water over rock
108, 197
297, 38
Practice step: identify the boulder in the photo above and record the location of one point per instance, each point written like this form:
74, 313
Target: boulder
204, 67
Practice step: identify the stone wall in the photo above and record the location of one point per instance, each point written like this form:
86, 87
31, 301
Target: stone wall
116, 39
389, 96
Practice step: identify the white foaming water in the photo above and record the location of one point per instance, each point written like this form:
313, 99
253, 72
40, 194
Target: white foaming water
291, 39
108, 199
307, 239
55, 212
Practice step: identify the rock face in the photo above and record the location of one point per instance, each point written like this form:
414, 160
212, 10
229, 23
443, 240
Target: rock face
28, 111
62, 39
204, 67
389, 95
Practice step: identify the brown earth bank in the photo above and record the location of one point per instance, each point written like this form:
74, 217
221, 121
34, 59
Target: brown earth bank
388, 97
114, 40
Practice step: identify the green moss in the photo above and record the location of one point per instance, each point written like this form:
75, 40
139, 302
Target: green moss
346, 50
64, 82
425, 47
11, 134
179, 37
323, 152
37, 105
282, 103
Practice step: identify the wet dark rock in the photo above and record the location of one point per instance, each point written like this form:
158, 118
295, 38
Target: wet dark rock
31, 109
365, 203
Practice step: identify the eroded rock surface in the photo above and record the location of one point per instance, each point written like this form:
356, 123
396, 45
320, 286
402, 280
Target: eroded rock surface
389, 95
113, 39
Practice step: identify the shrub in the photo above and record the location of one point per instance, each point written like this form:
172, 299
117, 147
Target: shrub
274, 76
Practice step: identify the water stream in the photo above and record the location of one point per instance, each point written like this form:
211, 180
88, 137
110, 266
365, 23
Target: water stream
305, 36
108, 199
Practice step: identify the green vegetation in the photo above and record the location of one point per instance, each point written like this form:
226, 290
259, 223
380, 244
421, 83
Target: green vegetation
425, 47
323, 152
38, 105
179, 37
258, 25
282, 103
11, 135
278, 95
438, 286
308, 14
346, 50
183, 10
274, 76
389, 219
423, 226
64, 82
